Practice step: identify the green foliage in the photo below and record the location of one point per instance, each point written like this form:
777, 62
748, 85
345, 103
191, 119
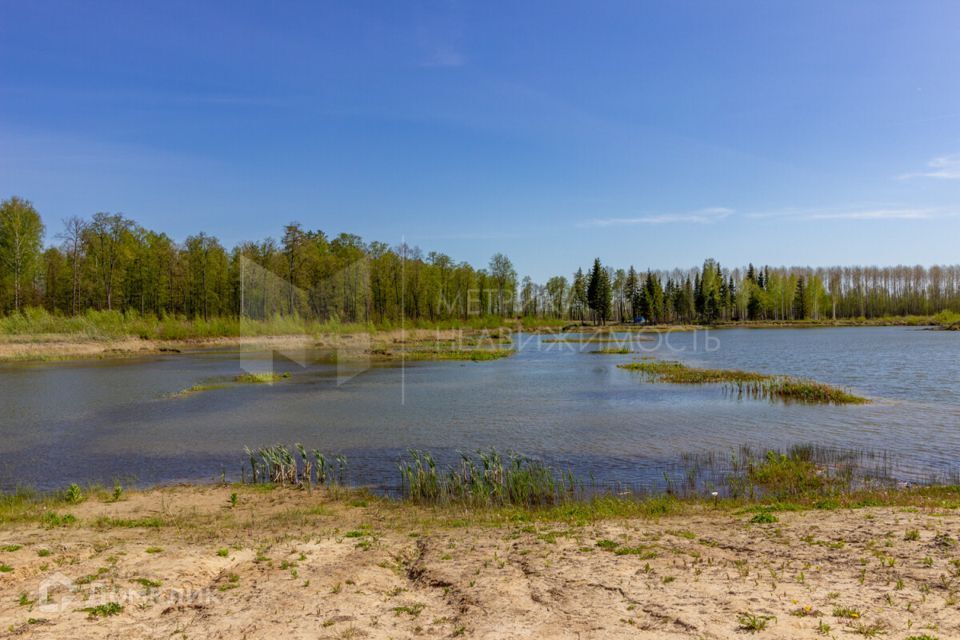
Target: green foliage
947, 320
309, 282
21, 234
52, 520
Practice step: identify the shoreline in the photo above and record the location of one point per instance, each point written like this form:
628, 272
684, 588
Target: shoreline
260, 561
60, 347
54, 347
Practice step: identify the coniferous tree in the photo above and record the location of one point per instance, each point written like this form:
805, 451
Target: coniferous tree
599, 293
800, 301
633, 293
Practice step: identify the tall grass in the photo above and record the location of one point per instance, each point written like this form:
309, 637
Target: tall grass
949, 320
94, 324
279, 465
809, 473
486, 479
805, 471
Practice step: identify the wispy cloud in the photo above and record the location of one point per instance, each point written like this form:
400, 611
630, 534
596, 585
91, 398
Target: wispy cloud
942, 167
700, 216
891, 213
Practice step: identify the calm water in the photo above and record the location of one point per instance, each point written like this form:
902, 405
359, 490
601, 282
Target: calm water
97, 421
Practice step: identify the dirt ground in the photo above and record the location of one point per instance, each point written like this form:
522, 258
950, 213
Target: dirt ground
186, 562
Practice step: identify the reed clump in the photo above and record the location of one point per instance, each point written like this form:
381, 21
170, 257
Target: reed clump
792, 474
613, 351
746, 383
487, 479
299, 468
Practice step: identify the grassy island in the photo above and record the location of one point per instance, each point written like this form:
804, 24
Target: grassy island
745, 382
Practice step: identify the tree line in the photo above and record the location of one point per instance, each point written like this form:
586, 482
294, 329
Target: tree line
109, 262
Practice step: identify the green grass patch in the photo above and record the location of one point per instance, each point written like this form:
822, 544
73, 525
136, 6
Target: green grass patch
949, 320
103, 610
644, 552
412, 610
261, 378
147, 583
106, 522
764, 517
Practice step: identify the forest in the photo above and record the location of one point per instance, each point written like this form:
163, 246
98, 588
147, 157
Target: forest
108, 262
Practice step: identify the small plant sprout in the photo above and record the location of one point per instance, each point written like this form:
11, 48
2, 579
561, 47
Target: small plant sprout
764, 517
754, 623
74, 494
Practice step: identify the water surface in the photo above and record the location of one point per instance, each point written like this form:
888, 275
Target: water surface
96, 421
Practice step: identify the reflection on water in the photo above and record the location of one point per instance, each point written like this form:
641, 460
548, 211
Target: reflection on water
97, 421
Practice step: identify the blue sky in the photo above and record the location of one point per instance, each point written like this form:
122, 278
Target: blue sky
647, 133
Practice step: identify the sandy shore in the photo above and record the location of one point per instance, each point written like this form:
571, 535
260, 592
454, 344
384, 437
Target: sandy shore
183, 562
46, 347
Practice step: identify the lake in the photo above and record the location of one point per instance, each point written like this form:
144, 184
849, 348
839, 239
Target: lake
97, 421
